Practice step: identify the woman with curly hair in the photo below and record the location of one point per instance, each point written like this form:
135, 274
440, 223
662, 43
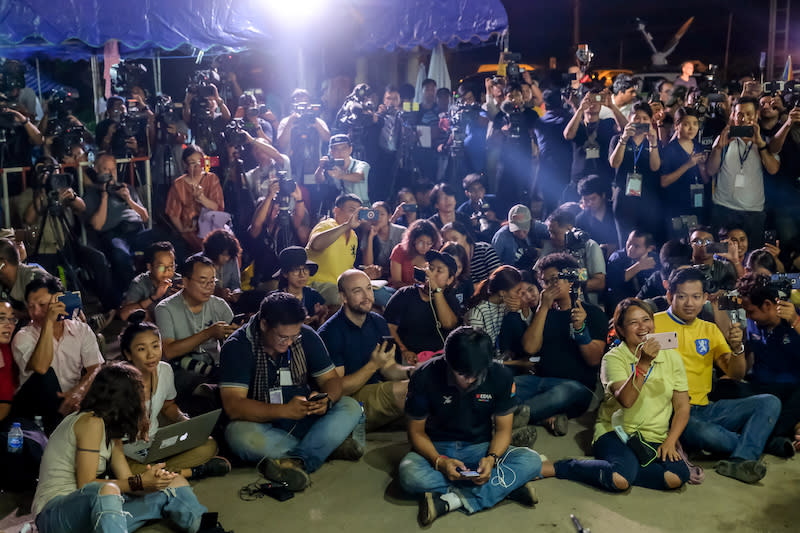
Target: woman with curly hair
71, 497
420, 238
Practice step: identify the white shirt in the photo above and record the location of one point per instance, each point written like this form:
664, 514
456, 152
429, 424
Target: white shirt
746, 193
77, 349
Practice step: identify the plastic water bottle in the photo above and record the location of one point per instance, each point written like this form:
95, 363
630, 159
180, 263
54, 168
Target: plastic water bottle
15, 439
360, 431
39, 423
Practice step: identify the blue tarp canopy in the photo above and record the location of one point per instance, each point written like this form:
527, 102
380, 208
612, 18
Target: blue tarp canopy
76, 29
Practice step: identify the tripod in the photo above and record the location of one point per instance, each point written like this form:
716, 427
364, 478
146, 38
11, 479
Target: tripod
66, 249
285, 234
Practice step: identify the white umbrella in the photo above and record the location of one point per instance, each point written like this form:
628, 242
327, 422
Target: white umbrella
438, 68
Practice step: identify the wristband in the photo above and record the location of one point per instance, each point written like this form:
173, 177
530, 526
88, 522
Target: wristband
135, 483
494, 456
763, 148
582, 337
436, 463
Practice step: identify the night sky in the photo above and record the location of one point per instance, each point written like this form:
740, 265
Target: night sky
540, 29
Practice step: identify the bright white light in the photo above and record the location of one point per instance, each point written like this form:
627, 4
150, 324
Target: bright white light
296, 13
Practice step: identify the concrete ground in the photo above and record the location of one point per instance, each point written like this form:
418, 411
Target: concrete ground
362, 497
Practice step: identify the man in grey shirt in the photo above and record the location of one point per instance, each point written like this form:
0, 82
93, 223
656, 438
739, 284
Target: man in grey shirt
15, 275
192, 322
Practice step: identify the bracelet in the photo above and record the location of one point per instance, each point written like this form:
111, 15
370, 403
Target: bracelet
763, 148
300, 201
436, 463
135, 483
583, 327
494, 456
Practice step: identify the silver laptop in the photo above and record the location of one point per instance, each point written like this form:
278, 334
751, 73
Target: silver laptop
173, 439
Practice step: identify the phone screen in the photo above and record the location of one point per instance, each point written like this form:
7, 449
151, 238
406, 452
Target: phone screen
469, 473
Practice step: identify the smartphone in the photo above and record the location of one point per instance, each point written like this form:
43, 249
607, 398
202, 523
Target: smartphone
72, 304
277, 491
368, 214
410, 208
598, 98
741, 131
319, 396
771, 236
469, 473
717, 248
338, 163
239, 319
389, 340
667, 340
641, 127
419, 275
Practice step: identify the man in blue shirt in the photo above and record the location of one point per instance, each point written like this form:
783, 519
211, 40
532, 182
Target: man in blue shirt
355, 338
283, 395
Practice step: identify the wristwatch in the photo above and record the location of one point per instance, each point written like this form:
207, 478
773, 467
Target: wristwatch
437, 289
494, 456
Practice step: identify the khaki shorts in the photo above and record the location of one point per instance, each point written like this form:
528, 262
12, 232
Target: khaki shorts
379, 405
329, 291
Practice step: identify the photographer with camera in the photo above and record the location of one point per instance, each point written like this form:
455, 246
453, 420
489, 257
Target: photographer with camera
18, 135
514, 242
479, 207
121, 133
190, 193
739, 191
350, 174
569, 337
564, 237
253, 114
60, 127
721, 274
203, 101
171, 134
116, 219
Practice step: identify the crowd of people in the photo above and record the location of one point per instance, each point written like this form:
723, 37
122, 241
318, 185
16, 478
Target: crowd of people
477, 270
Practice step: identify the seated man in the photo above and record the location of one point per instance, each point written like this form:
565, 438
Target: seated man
719, 267
333, 245
461, 409
629, 269
354, 336
673, 254
283, 395
597, 218
15, 275
514, 243
570, 340
736, 428
480, 208
192, 322
56, 356
773, 346
149, 288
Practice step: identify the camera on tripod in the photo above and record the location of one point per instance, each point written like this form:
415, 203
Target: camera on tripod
461, 115
53, 183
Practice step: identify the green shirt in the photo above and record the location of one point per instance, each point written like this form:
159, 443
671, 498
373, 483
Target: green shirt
651, 413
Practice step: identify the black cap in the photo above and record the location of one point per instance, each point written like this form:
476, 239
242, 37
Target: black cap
293, 257
447, 259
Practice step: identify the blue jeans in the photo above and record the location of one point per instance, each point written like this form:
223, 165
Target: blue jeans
615, 457
86, 510
517, 466
552, 396
311, 439
736, 427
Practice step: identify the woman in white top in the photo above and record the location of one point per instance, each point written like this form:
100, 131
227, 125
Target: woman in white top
71, 496
494, 297
140, 344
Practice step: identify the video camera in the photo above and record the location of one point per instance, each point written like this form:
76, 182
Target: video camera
106, 181
200, 83
12, 76
575, 240
460, 115
783, 284
731, 302
513, 72
125, 76
577, 278
235, 132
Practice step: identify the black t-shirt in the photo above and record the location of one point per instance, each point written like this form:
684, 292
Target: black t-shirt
511, 331
458, 415
603, 231
618, 288
676, 198
636, 157
561, 357
598, 135
414, 319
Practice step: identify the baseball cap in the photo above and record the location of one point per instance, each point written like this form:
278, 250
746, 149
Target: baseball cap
339, 138
519, 218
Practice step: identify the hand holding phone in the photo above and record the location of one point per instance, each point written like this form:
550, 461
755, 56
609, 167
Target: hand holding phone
469, 473
319, 396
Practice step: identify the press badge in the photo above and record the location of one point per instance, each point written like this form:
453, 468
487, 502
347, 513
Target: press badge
593, 152
275, 395
633, 185
285, 377
696, 191
739, 181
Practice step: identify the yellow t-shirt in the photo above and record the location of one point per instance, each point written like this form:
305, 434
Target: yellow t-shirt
337, 257
700, 344
651, 412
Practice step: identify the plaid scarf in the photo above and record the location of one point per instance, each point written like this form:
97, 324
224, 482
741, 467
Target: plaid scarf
297, 364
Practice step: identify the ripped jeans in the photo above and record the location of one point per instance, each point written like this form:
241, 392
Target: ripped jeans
86, 510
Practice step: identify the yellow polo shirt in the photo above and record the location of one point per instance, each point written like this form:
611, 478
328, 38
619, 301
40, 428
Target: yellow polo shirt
651, 412
700, 344
336, 258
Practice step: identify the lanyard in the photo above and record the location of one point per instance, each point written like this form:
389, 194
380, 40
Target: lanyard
636, 155
746, 153
633, 371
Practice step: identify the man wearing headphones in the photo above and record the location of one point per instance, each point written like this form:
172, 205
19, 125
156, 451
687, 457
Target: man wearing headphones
457, 460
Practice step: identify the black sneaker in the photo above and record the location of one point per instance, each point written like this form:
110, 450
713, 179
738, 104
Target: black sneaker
285, 471
780, 447
523, 437
214, 467
522, 416
743, 470
348, 450
526, 495
431, 507
209, 524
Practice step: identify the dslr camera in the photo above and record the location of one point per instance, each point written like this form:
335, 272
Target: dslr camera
235, 133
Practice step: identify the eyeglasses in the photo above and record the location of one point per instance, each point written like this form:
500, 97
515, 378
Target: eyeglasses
702, 242
282, 339
8, 320
300, 271
551, 281
208, 283
164, 268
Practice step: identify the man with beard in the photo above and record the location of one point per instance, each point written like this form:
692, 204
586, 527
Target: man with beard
364, 359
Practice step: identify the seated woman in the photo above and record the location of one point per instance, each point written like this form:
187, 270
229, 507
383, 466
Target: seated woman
295, 271
190, 193
406, 211
379, 242
419, 238
420, 316
71, 496
482, 256
634, 440
509, 342
496, 296
140, 344
463, 288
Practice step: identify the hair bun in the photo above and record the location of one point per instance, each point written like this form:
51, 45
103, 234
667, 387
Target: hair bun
137, 317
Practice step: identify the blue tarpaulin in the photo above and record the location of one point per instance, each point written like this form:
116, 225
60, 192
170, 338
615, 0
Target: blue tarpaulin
75, 29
